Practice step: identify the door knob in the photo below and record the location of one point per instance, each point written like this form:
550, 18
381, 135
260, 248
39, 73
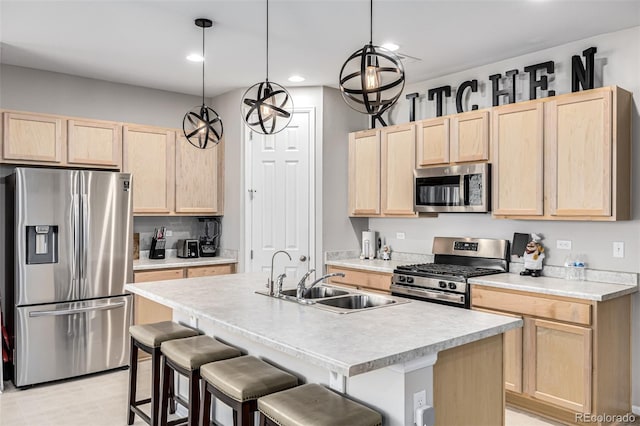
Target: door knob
303, 258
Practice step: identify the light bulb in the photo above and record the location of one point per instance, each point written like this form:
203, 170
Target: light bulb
371, 78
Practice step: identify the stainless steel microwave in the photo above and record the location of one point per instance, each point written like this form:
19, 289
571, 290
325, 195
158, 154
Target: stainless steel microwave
462, 188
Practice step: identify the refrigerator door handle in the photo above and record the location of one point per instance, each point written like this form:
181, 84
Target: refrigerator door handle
56, 312
85, 238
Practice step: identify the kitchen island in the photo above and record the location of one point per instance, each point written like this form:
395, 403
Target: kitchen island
449, 357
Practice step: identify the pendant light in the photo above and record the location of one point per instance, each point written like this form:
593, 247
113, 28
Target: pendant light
372, 78
202, 126
267, 106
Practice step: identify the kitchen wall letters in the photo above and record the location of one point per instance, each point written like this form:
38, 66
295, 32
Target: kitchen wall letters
582, 76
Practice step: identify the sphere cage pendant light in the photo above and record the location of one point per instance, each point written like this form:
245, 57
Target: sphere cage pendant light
267, 107
372, 78
202, 126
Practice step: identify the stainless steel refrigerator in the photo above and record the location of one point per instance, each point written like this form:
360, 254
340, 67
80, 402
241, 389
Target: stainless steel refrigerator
69, 254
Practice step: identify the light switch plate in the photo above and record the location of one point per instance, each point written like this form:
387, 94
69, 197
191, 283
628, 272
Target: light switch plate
400, 235
563, 244
618, 249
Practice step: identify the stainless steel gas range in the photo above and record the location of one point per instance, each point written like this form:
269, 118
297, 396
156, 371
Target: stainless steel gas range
455, 261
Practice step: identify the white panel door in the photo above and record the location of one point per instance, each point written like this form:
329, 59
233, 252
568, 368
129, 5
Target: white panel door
279, 192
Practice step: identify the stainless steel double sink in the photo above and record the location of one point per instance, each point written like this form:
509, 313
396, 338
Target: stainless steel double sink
339, 300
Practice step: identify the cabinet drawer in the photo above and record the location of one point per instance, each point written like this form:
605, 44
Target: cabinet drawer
159, 275
537, 306
206, 271
373, 280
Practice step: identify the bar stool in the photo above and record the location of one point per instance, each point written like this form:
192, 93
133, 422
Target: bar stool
239, 382
186, 356
313, 404
149, 337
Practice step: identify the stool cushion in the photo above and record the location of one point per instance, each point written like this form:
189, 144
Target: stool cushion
246, 378
314, 405
192, 352
154, 334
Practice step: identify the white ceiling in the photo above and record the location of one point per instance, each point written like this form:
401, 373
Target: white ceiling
145, 43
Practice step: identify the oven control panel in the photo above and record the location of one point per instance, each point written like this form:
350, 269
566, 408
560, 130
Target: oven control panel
465, 246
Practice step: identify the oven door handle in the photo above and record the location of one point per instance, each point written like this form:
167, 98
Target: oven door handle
427, 294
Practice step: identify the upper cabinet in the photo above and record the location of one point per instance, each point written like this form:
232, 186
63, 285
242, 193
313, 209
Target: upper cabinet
578, 144
94, 143
32, 139
459, 138
398, 144
364, 173
381, 164
518, 139
586, 131
199, 178
149, 155
59, 141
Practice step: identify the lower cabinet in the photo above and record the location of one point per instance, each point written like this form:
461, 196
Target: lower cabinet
359, 279
145, 311
560, 363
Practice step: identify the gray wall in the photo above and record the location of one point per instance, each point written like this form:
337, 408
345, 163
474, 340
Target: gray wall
617, 64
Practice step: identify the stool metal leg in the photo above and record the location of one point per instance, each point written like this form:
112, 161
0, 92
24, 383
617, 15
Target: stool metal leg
133, 379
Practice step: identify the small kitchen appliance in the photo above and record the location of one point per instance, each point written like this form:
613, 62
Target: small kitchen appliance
455, 261
210, 241
369, 244
188, 248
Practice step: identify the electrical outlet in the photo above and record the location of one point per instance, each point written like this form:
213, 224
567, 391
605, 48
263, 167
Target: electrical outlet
419, 400
563, 244
400, 235
618, 249
168, 233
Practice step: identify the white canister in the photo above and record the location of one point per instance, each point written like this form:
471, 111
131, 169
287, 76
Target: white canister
369, 244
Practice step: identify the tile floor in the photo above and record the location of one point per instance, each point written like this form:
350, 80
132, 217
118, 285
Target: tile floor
101, 400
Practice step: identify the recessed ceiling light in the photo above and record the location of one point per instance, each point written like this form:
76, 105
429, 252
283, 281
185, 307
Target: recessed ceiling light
194, 57
296, 79
391, 46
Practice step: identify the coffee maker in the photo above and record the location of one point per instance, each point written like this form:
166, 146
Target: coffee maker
210, 241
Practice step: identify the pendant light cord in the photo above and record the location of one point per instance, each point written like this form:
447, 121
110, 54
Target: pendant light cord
203, 65
267, 40
370, 22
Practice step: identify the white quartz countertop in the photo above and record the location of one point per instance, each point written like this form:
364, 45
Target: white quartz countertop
146, 264
347, 344
589, 290
375, 265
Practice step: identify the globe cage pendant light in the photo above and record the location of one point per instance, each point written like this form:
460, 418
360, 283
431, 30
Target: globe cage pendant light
372, 78
267, 107
202, 126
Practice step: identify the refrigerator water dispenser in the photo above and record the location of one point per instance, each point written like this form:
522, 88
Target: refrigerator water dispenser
42, 244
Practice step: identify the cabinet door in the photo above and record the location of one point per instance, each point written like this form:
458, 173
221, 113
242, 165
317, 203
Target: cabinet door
579, 140
398, 159
513, 360
432, 142
209, 271
364, 173
94, 143
470, 137
32, 138
558, 364
146, 311
199, 186
517, 139
149, 156
361, 279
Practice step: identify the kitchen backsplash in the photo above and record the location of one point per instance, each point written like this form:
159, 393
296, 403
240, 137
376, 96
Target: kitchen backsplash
181, 228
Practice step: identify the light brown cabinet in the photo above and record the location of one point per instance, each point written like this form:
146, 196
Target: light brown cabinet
199, 182
149, 155
518, 158
364, 173
457, 138
94, 143
33, 138
208, 271
560, 363
564, 158
359, 279
398, 144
